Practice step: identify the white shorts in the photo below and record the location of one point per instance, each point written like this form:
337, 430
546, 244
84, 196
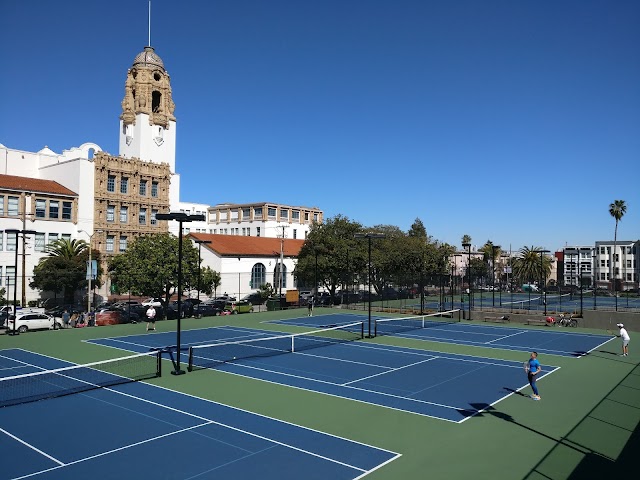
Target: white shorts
625, 343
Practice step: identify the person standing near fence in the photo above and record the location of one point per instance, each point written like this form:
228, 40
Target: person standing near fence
151, 318
310, 306
625, 339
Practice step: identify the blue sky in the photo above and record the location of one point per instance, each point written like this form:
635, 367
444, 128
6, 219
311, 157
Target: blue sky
514, 121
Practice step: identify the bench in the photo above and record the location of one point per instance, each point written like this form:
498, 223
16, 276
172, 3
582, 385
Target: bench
496, 318
537, 321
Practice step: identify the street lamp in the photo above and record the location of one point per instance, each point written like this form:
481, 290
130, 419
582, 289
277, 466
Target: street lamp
15, 279
581, 287
468, 247
369, 236
181, 218
89, 269
494, 248
543, 283
200, 242
594, 262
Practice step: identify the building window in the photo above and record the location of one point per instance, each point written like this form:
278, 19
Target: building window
602, 263
54, 209
295, 233
124, 214
142, 216
278, 279
628, 263
246, 213
12, 206
11, 242
257, 213
284, 214
109, 243
11, 275
124, 185
41, 208
66, 236
123, 243
295, 215
1, 204
616, 258
258, 275
154, 189
315, 217
187, 231
257, 231
628, 277
271, 212
1, 240
53, 237
66, 210
306, 216
111, 183
154, 220
111, 212
39, 245
143, 188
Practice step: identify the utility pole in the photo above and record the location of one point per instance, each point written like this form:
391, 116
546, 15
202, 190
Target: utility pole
281, 260
24, 251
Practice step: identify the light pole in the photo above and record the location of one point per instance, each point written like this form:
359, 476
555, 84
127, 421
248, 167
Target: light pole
581, 287
594, 262
89, 269
200, 242
369, 236
15, 279
180, 218
494, 249
468, 247
543, 278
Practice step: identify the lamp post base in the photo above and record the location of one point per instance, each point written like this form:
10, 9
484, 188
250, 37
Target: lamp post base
177, 372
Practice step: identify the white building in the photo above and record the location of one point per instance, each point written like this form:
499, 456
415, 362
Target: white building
578, 266
116, 198
620, 262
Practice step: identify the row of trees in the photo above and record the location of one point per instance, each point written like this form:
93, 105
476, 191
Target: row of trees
332, 257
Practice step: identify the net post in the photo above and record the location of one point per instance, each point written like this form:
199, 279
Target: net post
361, 330
375, 329
159, 364
190, 366
292, 343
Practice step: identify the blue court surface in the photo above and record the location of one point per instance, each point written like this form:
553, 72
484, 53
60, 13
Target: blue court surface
445, 386
138, 430
549, 341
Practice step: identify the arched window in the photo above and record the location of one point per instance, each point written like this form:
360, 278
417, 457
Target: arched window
277, 278
155, 101
258, 275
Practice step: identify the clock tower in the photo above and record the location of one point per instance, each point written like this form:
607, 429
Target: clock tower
147, 123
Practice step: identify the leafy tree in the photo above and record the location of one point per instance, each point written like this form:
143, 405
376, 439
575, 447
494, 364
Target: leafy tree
150, 266
210, 280
617, 209
65, 268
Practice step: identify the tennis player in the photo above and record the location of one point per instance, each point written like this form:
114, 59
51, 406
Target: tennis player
625, 339
532, 367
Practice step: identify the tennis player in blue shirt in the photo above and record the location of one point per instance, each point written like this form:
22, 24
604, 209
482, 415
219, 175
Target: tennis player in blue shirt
532, 368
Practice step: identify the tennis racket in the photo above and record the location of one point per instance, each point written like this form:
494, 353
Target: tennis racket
526, 366
609, 329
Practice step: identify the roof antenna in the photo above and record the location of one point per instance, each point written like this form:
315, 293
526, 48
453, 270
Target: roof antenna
149, 23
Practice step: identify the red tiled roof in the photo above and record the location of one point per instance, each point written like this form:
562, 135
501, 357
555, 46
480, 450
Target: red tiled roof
38, 185
230, 245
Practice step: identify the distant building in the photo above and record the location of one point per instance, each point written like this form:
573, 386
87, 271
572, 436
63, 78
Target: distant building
620, 264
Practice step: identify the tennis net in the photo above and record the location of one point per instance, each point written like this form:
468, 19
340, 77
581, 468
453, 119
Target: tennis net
213, 355
36, 386
384, 326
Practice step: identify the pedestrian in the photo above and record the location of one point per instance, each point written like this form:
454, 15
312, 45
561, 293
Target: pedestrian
73, 320
151, 318
310, 306
533, 368
65, 318
625, 339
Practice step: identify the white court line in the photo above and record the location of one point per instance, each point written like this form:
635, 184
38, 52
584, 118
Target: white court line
506, 396
208, 420
28, 445
388, 371
597, 346
506, 336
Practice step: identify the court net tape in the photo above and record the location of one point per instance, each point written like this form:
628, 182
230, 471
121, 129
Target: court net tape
36, 386
384, 326
215, 354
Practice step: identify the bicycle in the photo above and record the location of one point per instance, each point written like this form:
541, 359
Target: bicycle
569, 321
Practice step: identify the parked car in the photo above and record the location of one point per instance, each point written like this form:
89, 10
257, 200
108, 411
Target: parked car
31, 321
156, 302
238, 307
255, 298
208, 309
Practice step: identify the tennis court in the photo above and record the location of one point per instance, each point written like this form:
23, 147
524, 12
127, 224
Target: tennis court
442, 329
138, 430
434, 384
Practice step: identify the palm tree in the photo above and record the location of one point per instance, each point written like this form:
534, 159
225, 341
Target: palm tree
527, 266
617, 209
68, 249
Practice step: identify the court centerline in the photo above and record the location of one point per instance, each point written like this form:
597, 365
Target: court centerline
388, 371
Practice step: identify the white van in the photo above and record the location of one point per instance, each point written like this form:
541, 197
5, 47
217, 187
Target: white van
27, 321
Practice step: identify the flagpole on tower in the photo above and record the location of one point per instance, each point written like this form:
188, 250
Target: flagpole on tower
149, 23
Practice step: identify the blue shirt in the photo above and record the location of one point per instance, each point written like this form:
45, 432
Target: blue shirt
533, 365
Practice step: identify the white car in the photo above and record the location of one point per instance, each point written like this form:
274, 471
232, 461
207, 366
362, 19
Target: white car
31, 321
156, 302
